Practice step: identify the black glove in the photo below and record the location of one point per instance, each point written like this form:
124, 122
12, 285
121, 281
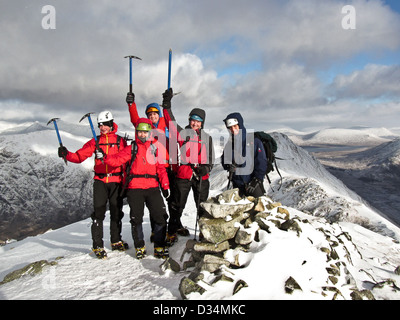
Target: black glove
201, 171
167, 96
62, 152
166, 193
231, 168
130, 98
254, 188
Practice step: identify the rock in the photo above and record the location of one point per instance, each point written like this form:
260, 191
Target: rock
291, 225
360, 295
212, 263
210, 247
220, 230
239, 285
30, 269
291, 285
188, 286
218, 210
283, 213
170, 264
229, 196
397, 271
243, 238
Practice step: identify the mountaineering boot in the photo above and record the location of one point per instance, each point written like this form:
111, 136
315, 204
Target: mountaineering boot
140, 252
119, 246
161, 252
171, 239
100, 253
183, 232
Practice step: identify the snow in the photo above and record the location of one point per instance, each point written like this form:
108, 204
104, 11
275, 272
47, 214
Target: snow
78, 275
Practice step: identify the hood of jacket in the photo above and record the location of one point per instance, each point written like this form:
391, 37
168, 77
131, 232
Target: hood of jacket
157, 106
199, 112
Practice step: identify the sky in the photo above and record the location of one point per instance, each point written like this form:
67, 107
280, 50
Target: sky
300, 64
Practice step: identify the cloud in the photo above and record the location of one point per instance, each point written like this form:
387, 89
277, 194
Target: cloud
373, 82
258, 57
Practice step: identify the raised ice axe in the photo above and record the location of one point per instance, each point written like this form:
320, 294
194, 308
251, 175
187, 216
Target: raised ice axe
54, 120
87, 115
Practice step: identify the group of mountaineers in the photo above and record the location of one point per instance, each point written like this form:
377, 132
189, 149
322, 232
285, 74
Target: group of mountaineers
166, 161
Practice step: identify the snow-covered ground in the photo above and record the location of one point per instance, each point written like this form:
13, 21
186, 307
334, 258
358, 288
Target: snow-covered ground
307, 188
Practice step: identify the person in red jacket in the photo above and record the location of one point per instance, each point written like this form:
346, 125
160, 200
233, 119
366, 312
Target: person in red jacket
107, 182
195, 163
160, 132
145, 177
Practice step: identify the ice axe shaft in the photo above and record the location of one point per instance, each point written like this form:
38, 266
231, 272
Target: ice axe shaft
54, 120
169, 68
87, 115
130, 70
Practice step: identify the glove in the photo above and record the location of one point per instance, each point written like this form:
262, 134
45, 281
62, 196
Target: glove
201, 171
231, 168
62, 152
254, 188
99, 154
130, 98
167, 96
166, 193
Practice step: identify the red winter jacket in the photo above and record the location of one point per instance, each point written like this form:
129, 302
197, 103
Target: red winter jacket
160, 130
145, 164
196, 147
108, 143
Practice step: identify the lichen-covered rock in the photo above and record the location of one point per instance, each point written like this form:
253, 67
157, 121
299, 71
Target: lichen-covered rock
30, 269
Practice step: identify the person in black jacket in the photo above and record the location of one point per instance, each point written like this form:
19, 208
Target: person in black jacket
244, 158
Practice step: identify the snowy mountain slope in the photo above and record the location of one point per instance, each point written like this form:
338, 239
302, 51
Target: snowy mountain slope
306, 184
356, 136
38, 191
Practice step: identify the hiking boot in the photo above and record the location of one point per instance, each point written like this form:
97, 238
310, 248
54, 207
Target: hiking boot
161, 252
183, 232
100, 253
140, 252
119, 246
171, 239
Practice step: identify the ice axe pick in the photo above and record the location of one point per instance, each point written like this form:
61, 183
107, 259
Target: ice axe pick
130, 70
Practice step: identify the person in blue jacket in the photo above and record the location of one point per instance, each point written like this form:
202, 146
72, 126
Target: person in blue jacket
244, 158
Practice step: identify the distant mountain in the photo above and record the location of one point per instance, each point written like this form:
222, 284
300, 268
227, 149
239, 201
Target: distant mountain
38, 191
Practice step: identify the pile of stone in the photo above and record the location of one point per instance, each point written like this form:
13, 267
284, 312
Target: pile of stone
234, 223
228, 225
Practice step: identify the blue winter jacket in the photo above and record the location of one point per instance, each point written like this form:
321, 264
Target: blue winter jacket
246, 152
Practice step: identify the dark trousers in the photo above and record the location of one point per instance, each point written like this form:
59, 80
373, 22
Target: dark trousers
137, 199
103, 193
182, 190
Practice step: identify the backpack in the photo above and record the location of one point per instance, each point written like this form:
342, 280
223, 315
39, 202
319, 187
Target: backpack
270, 147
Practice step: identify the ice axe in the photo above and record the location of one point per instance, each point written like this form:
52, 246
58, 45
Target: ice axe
87, 115
169, 70
130, 70
54, 120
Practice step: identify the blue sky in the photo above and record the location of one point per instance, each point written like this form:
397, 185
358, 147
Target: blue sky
280, 63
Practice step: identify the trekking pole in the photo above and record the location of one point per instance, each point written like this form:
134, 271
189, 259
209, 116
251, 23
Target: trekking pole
130, 70
198, 209
87, 115
54, 120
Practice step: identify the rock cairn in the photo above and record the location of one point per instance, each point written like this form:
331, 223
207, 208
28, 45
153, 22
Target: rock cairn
233, 224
